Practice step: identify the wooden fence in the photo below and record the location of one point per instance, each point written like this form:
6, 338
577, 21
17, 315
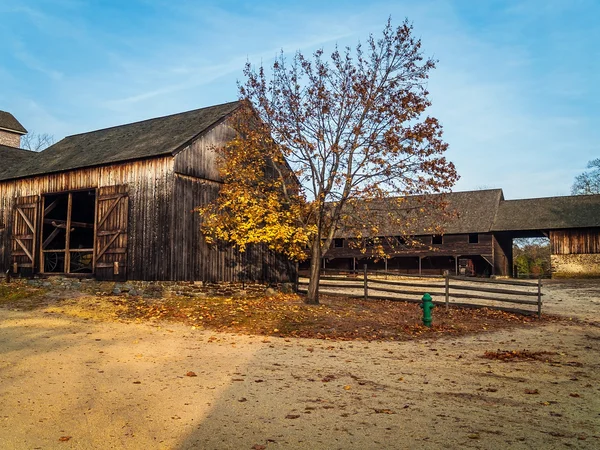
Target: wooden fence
520, 296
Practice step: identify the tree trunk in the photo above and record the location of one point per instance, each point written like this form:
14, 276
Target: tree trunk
312, 296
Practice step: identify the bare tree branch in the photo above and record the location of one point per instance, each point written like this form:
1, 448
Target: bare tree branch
36, 142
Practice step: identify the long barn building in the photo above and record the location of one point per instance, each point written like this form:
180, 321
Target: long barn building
118, 203
478, 235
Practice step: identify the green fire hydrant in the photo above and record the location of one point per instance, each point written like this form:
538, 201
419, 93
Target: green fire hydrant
427, 306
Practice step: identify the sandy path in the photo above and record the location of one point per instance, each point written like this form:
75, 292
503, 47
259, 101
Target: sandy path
114, 385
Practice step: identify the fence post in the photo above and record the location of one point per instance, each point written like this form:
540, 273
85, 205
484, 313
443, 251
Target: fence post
539, 305
447, 280
366, 286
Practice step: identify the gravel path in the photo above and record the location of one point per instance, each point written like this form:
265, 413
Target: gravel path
83, 384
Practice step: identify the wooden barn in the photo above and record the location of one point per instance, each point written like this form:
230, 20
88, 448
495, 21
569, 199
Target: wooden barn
572, 224
467, 238
478, 236
118, 203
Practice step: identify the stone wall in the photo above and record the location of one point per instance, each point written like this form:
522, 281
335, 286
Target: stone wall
157, 288
575, 266
10, 139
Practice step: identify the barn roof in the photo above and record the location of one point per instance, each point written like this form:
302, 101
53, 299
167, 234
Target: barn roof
475, 210
577, 211
455, 212
481, 211
12, 157
138, 140
8, 122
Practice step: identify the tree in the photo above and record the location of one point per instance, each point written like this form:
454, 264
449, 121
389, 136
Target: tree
36, 142
353, 131
588, 182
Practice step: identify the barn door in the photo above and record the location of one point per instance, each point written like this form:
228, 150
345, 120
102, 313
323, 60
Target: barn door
112, 210
24, 234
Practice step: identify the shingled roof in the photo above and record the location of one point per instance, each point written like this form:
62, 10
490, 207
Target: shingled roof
8, 122
474, 212
145, 139
577, 211
455, 213
13, 157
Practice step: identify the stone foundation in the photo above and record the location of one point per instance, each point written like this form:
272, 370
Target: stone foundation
157, 289
576, 266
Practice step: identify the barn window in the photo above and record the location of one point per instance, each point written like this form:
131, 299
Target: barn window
437, 239
473, 238
68, 232
338, 243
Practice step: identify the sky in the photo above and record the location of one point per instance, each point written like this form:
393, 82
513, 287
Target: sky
516, 85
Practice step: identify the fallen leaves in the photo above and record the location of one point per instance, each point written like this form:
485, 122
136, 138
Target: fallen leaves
191, 374
65, 438
518, 355
384, 411
335, 318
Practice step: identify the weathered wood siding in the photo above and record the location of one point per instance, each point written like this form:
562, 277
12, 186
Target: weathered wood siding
200, 261
503, 255
452, 245
578, 241
150, 188
197, 182
199, 159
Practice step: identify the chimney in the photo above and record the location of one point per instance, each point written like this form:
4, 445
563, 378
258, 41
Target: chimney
10, 130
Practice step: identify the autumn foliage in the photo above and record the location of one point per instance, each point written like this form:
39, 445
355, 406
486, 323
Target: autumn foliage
260, 202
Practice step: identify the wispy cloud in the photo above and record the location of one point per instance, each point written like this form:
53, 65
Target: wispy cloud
34, 63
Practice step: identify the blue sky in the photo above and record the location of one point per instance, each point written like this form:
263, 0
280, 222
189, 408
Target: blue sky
516, 87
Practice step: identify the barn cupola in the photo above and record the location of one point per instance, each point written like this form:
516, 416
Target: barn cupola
10, 130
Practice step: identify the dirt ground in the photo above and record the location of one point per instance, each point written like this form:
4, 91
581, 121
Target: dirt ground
71, 381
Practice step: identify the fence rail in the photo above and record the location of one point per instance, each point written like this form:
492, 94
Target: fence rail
473, 292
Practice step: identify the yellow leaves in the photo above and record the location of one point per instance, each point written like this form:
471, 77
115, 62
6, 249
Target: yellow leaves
256, 205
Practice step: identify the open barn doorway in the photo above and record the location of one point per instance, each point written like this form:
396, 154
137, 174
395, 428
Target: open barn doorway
67, 241
531, 257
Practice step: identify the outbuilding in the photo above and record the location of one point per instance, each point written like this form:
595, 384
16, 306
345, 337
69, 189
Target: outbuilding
119, 203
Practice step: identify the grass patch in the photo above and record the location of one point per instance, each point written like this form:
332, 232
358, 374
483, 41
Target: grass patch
20, 296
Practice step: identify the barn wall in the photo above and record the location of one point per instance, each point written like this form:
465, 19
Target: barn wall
503, 255
199, 159
200, 261
453, 245
578, 241
575, 253
150, 188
